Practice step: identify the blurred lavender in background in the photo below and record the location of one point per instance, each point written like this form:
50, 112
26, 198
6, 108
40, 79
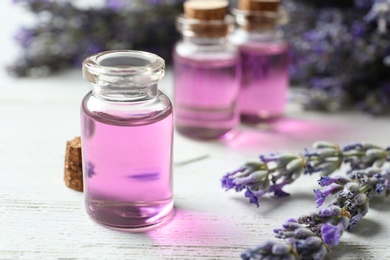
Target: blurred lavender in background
65, 34
340, 50
340, 53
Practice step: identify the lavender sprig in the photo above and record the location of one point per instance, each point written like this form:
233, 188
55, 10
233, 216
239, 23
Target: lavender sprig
355, 192
310, 236
276, 170
271, 174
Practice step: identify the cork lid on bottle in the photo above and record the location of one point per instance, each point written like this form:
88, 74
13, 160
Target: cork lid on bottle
206, 10
258, 14
204, 18
259, 5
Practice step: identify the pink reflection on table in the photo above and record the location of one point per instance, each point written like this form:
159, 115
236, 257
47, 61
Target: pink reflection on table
193, 228
288, 132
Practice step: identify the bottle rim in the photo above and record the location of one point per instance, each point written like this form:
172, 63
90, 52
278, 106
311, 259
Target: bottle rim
139, 65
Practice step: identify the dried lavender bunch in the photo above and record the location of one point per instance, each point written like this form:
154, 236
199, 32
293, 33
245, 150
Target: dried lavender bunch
311, 235
276, 170
340, 53
64, 34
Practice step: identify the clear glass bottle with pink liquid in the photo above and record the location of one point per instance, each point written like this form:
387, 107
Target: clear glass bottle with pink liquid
126, 135
206, 72
264, 60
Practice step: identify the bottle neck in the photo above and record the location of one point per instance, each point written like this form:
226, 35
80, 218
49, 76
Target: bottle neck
125, 92
205, 41
264, 22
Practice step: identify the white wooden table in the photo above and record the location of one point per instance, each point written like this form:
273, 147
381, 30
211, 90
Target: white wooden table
40, 218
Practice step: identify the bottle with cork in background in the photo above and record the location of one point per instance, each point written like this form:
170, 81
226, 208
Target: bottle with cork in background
264, 60
206, 72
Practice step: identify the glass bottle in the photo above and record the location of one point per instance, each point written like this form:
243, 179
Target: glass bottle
126, 135
264, 60
206, 72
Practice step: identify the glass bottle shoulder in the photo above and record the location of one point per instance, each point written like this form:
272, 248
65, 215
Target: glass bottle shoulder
123, 113
222, 50
258, 40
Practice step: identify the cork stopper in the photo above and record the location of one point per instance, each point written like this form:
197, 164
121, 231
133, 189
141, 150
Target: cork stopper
205, 19
73, 172
259, 14
206, 10
259, 5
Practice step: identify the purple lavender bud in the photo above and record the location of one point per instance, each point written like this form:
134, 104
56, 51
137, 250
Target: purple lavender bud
227, 181
291, 225
320, 253
280, 193
277, 189
281, 249
254, 196
269, 157
313, 242
242, 182
352, 146
360, 198
330, 234
354, 220
320, 196
270, 250
302, 233
326, 181
349, 191
331, 210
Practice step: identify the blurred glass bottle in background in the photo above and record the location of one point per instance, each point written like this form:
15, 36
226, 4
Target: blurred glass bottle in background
264, 60
206, 72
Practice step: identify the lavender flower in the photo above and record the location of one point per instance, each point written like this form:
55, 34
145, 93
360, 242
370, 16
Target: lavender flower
328, 223
353, 194
327, 180
320, 195
302, 244
310, 235
276, 170
325, 159
364, 155
270, 175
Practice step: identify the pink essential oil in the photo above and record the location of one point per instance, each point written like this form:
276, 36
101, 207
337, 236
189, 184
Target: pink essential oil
264, 60
206, 96
264, 82
206, 72
127, 130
